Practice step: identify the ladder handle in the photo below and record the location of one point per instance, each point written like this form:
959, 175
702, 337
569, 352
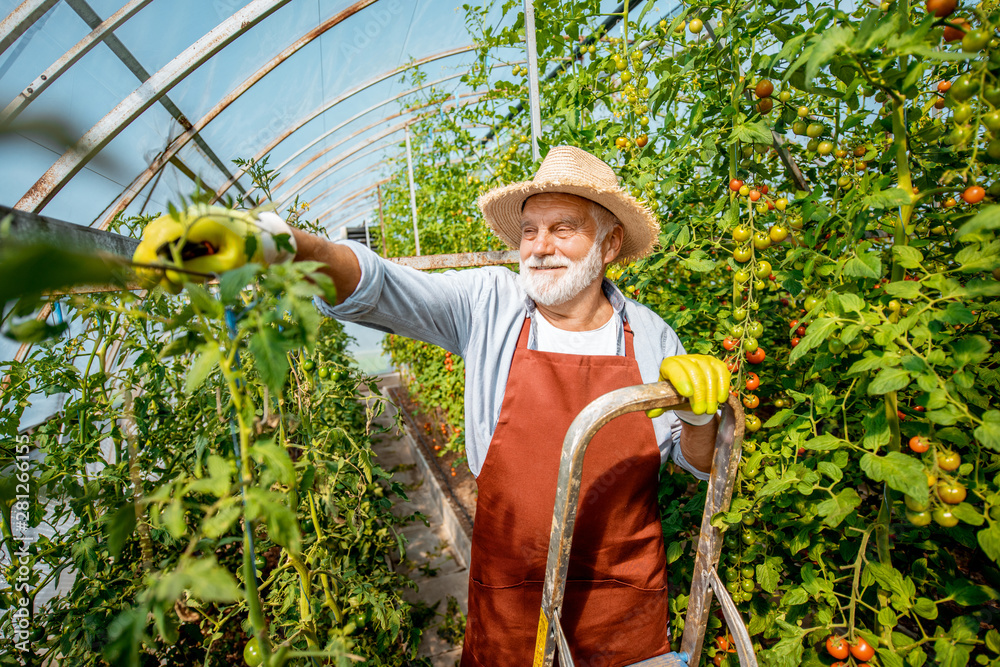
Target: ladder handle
591, 419
741, 638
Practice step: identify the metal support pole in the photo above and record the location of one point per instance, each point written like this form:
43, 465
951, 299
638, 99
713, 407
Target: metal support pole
413, 192
381, 219
536, 112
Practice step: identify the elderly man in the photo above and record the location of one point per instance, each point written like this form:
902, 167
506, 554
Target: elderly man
538, 347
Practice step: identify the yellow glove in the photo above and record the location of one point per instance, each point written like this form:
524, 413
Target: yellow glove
699, 377
209, 239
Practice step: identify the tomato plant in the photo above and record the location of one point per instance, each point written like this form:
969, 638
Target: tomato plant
863, 204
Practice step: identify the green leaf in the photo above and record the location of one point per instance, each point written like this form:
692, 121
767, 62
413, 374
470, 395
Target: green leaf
219, 523
904, 289
865, 265
794, 596
973, 350
173, 519
201, 368
35, 331
892, 580
926, 608
889, 379
887, 618
204, 578
204, 302
698, 261
830, 470
989, 541
675, 550
119, 526
752, 133
832, 42
835, 509
901, 472
988, 433
971, 595
269, 355
891, 198
825, 442
993, 640
907, 257
768, 574
231, 283
967, 513
889, 658
987, 219
276, 458
817, 333
282, 526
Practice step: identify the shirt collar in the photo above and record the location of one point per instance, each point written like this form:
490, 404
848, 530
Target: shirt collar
611, 291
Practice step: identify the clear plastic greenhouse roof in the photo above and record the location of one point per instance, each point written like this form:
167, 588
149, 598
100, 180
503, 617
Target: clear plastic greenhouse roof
115, 105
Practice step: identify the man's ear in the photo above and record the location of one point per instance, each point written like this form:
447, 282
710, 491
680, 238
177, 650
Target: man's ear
613, 244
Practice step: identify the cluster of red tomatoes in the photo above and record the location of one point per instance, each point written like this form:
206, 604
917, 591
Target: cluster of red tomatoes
948, 491
840, 648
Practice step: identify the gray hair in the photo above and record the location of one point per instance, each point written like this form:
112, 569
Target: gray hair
605, 219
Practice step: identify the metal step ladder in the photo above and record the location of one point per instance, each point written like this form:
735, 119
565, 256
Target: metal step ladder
705, 581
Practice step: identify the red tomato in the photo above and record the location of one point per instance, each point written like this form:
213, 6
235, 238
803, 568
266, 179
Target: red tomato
729, 343
919, 444
837, 647
735, 184
862, 650
753, 381
751, 401
973, 194
757, 356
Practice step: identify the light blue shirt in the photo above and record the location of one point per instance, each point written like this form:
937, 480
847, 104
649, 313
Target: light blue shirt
477, 314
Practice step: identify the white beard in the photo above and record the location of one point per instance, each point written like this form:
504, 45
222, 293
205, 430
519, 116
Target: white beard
553, 289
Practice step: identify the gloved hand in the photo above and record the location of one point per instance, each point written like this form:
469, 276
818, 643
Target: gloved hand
210, 239
699, 377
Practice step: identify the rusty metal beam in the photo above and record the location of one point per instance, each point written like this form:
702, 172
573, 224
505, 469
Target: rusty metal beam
26, 227
364, 129
143, 179
321, 171
458, 260
329, 105
91, 18
68, 59
71, 162
21, 19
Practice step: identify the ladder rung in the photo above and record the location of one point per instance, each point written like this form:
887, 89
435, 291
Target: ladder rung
666, 660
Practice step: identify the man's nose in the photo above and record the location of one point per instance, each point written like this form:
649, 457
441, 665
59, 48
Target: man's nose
542, 245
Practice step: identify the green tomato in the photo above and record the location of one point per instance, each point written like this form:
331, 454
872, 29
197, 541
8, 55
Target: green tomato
324, 373
739, 314
741, 276
742, 254
915, 505
964, 88
747, 585
810, 303
815, 130
741, 234
747, 572
919, 518
836, 345
799, 128
749, 538
759, 285
976, 39
992, 120
309, 365
736, 331
824, 147
755, 329
943, 517
763, 270
761, 241
251, 653
963, 113
750, 344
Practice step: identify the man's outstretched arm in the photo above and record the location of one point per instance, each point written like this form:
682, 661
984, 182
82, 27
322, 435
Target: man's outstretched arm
340, 262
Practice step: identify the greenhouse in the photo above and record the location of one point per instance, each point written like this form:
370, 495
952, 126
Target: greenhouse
426, 332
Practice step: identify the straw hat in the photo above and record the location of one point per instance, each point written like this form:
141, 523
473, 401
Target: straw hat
569, 170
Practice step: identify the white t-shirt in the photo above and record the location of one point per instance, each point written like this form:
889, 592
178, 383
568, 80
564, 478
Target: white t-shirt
600, 341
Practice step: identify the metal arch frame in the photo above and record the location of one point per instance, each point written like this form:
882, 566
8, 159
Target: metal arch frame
21, 19
70, 58
316, 174
142, 180
73, 160
329, 105
343, 140
351, 195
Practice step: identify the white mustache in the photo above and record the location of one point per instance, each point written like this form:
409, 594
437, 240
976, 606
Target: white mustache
546, 262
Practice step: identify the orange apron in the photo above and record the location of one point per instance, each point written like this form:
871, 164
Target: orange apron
615, 605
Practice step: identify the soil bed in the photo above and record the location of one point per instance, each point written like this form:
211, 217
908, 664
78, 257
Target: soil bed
450, 468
